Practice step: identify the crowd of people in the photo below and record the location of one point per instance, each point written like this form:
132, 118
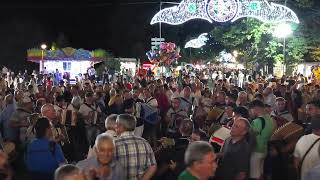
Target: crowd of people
196, 124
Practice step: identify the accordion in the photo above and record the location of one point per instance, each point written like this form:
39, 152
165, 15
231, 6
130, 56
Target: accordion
33, 118
93, 118
67, 117
215, 114
287, 132
60, 133
220, 135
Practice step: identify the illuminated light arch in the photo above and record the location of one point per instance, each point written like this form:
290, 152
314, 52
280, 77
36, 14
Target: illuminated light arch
222, 10
225, 10
185, 11
197, 42
265, 12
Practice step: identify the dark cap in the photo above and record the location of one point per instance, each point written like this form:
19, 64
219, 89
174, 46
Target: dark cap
242, 111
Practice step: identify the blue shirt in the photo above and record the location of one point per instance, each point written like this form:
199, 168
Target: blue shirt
39, 157
8, 132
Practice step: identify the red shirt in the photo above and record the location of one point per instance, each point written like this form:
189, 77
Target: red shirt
128, 86
163, 102
49, 84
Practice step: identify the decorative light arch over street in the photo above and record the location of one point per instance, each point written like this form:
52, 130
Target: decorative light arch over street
197, 42
225, 10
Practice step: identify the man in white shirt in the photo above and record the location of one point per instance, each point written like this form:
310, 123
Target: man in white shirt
149, 99
188, 103
92, 73
90, 111
45, 71
314, 173
306, 150
76, 101
110, 125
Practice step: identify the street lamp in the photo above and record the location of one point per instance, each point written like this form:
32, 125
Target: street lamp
43, 47
283, 31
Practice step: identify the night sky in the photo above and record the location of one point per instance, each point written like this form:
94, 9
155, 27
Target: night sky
121, 27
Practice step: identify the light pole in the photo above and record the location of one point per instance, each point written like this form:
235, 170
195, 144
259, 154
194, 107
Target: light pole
283, 31
161, 4
43, 47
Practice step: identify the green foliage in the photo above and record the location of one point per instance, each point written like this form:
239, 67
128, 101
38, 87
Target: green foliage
297, 48
113, 63
255, 43
315, 53
34, 52
110, 63
53, 46
99, 53
304, 3
246, 36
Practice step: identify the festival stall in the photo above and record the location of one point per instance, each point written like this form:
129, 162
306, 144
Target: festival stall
128, 64
66, 60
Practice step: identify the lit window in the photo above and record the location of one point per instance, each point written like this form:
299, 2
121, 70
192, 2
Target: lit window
67, 66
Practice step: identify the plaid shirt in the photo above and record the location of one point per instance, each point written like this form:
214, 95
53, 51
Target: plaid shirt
135, 155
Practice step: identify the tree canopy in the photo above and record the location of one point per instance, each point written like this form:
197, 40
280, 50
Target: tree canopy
255, 41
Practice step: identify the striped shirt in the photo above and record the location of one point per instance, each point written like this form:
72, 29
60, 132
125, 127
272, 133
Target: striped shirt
134, 154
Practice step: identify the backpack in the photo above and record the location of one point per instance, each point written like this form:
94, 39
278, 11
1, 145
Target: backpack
186, 102
147, 112
51, 147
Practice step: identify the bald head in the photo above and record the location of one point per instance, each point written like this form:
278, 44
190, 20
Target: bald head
68, 172
48, 111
